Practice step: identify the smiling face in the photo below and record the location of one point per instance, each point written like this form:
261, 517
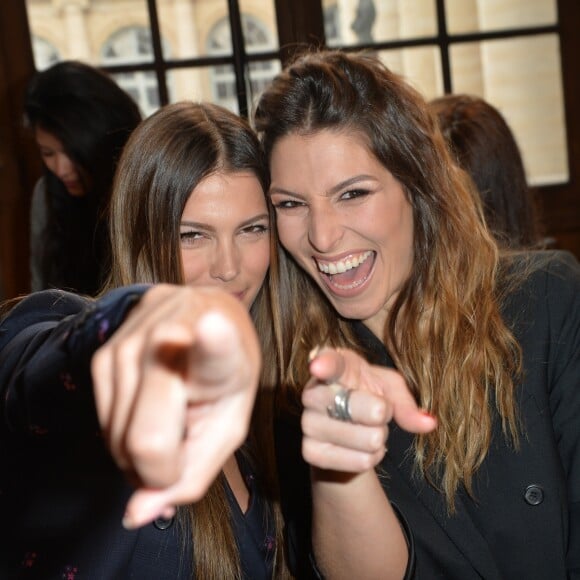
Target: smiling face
345, 219
58, 162
224, 235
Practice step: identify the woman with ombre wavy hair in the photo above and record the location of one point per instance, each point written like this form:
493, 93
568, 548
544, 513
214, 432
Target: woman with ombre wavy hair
388, 275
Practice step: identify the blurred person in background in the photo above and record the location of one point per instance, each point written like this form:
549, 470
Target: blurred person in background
81, 120
483, 144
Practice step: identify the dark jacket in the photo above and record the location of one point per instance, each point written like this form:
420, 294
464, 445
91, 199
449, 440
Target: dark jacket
525, 519
62, 498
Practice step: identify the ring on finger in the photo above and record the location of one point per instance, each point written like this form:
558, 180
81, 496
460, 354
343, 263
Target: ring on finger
340, 408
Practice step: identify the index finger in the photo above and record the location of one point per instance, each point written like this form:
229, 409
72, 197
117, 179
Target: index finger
405, 411
353, 371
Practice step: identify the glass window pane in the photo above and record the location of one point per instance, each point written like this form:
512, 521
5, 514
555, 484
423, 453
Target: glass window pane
421, 67
45, 54
80, 30
262, 12
217, 84
128, 45
352, 22
259, 36
261, 73
187, 24
523, 79
476, 15
142, 86
196, 29
213, 84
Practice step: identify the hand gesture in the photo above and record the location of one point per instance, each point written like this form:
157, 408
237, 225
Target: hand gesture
174, 390
348, 404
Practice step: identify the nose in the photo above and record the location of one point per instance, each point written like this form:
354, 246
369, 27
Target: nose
226, 262
324, 229
63, 166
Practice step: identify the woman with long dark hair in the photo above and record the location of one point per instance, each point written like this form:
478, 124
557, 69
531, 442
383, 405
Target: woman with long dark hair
81, 120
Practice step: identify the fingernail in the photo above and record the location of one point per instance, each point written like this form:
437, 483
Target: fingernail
168, 512
426, 413
128, 522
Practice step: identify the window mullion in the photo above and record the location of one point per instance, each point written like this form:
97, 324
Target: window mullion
158, 52
443, 41
239, 55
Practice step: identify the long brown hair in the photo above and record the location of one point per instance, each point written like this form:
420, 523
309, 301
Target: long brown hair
445, 331
166, 157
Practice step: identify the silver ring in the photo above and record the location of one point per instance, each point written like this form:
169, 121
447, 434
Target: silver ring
340, 408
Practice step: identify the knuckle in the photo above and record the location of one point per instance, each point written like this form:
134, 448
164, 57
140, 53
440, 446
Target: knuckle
308, 450
379, 411
365, 462
377, 440
307, 423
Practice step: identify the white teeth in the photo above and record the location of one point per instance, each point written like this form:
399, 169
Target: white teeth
343, 265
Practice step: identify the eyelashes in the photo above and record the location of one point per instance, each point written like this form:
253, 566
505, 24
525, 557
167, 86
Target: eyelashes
289, 204
192, 237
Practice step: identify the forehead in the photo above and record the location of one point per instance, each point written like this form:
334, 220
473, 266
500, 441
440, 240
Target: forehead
322, 158
225, 196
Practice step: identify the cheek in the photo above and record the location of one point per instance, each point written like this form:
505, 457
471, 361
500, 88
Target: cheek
258, 259
50, 163
194, 268
288, 233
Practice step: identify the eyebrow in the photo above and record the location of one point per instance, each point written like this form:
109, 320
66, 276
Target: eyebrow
335, 189
203, 226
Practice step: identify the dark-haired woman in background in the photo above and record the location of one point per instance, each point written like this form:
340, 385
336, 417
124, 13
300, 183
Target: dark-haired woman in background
81, 120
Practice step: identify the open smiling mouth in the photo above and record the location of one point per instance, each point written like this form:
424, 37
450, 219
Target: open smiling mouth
347, 274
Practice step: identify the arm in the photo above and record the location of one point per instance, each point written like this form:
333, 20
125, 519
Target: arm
46, 343
356, 532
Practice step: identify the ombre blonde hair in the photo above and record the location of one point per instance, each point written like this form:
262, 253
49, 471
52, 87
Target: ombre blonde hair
164, 160
445, 331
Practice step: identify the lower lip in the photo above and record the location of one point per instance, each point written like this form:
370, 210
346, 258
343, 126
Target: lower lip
349, 292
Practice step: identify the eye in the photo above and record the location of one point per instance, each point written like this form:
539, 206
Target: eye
354, 194
190, 237
255, 229
287, 204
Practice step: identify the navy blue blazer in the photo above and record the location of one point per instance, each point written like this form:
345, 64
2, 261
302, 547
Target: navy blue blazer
62, 498
525, 519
